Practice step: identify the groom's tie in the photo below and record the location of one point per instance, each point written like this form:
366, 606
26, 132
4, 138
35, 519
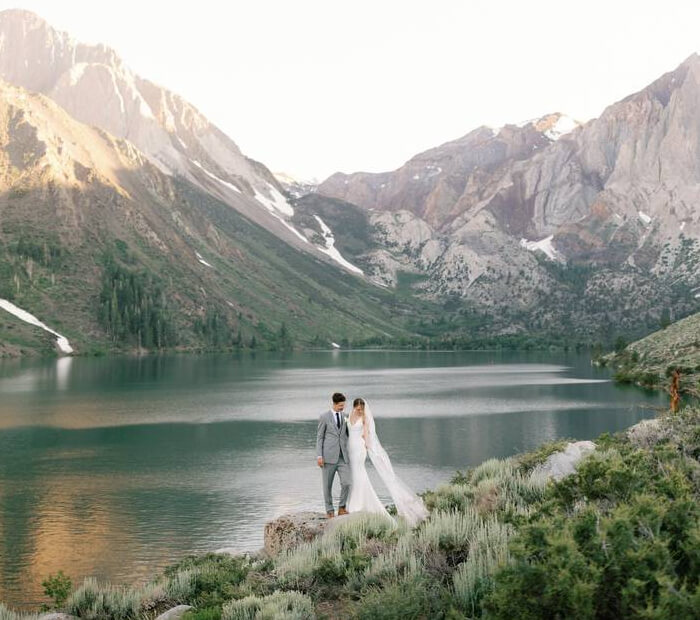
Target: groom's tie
337, 419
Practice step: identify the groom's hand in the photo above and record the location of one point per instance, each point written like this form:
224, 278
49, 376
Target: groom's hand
319, 460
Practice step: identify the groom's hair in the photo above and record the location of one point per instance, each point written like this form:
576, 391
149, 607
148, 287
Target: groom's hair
338, 398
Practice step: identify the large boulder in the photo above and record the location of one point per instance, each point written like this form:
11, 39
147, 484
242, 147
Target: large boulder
563, 463
291, 530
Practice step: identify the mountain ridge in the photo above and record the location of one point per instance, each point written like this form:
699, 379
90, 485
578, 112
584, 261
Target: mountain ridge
104, 247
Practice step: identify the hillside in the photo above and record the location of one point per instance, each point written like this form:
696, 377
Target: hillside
102, 245
651, 360
617, 538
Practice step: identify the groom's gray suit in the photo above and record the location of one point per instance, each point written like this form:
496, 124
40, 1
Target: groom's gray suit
332, 446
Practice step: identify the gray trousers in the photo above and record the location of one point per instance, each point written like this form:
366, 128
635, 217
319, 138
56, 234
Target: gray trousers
342, 468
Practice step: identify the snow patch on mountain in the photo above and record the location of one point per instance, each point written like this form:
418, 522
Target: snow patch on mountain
201, 260
644, 217
25, 316
564, 125
331, 250
276, 202
213, 176
543, 245
291, 228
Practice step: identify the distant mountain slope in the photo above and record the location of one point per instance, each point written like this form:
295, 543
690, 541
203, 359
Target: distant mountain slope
552, 224
623, 188
649, 361
103, 246
440, 184
93, 85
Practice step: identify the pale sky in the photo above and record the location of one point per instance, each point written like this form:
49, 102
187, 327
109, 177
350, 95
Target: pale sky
311, 87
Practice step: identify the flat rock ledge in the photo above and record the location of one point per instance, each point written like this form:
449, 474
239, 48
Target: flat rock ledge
293, 529
563, 463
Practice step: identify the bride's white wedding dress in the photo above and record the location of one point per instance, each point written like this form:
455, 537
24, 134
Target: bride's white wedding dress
363, 497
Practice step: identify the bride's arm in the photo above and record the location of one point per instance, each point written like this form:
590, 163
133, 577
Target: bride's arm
365, 433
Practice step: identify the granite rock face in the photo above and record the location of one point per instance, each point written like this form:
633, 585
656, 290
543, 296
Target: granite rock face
563, 463
493, 216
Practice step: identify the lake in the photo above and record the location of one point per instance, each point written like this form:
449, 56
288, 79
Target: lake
117, 467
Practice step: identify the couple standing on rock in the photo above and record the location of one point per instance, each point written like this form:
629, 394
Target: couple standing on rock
342, 446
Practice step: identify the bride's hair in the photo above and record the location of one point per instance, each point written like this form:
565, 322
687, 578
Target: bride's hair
358, 401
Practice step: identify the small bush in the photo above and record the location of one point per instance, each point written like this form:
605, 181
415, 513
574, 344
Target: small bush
207, 580
399, 563
288, 605
9, 614
58, 588
93, 601
450, 533
488, 551
415, 597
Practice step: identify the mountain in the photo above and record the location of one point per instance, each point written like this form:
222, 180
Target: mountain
105, 247
440, 184
95, 87
548, 229
552, 222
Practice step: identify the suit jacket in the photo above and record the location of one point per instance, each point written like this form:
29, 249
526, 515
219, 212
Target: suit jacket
331, 441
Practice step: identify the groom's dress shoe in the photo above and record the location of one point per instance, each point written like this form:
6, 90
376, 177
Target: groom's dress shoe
342, 511
331, 514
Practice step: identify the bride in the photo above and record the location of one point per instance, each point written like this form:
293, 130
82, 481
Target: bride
363, 441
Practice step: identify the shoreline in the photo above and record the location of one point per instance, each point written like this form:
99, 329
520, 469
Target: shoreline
450, 494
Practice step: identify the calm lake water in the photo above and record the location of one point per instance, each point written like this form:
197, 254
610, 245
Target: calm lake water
118, 467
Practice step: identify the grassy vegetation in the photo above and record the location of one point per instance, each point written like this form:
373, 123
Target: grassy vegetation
651, 361
620, 538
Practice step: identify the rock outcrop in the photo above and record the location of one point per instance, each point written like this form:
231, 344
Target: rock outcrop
175, 613
563, 463
291, 530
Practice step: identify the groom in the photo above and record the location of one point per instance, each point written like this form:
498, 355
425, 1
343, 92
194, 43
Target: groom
332, 451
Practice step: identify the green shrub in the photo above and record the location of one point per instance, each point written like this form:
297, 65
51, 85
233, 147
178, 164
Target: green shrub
207, 580
450, 533
58, 587
415, 597
400, 562
93, 601
203, 613
488, 551
449, 497
620, 538
288, 605
9, 614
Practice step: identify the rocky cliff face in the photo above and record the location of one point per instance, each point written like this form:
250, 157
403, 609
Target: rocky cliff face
614, 190
95, 87
513, 216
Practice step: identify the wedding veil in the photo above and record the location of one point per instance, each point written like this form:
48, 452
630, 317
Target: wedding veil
408, 504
